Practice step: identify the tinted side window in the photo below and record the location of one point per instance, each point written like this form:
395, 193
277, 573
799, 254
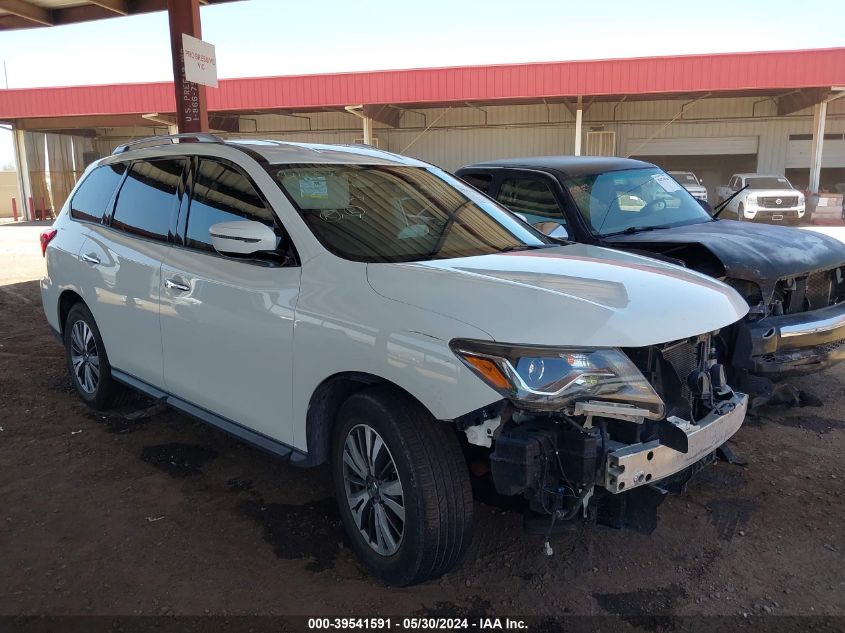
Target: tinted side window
221, 194
94, 194
481, 182
532, 198
149, 197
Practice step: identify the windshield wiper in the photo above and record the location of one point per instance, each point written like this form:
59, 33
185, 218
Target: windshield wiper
721, 207
635, 229
525, 247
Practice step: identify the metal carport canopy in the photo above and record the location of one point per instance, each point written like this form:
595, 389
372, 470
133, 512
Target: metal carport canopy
802, 75
27, 14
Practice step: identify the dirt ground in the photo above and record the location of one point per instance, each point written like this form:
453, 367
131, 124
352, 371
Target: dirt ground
145, 511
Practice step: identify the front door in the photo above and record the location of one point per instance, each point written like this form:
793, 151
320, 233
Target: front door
227, 324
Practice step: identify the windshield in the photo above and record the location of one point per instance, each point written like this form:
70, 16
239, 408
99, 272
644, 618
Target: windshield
684, 177
374, 213
633, 199
767, 182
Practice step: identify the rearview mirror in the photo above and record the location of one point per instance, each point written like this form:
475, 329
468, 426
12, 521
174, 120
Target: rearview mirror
245, 237
552, 229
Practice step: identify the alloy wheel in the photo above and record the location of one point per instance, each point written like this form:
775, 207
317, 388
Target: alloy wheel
373, 489
84, 357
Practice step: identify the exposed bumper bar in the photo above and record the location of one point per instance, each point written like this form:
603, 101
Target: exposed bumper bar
636, 465
798, 343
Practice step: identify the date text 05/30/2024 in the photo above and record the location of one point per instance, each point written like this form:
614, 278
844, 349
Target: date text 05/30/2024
413, 624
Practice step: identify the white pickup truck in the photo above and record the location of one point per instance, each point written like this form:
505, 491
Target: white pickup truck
761, 198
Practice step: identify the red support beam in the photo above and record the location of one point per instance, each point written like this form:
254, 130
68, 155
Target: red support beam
191, 108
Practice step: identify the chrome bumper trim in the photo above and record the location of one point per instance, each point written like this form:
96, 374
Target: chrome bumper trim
640, 464
814, 327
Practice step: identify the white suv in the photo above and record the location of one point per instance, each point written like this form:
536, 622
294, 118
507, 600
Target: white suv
345, 305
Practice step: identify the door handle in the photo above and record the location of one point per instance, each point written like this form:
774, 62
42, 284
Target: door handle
91, 259
171, 284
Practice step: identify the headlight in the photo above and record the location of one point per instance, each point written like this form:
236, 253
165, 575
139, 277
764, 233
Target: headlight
751, 200
550, 378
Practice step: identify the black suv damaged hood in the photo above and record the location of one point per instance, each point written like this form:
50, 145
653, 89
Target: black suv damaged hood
754, 252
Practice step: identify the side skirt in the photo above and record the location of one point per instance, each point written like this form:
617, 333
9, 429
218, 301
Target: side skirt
239, 431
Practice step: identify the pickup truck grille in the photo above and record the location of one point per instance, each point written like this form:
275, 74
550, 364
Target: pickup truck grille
773, 202
818, 289
810, 292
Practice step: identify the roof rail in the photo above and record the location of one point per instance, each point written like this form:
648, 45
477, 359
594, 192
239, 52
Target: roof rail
154, 141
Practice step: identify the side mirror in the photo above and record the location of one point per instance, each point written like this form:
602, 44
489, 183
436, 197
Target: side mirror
242, 237
552, 229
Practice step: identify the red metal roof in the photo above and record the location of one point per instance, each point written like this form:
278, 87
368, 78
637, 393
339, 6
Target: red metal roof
773, 70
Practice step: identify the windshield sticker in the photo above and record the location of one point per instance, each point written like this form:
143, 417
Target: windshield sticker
313, 187
668, 183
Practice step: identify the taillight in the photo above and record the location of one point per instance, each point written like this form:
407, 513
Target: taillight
45, 238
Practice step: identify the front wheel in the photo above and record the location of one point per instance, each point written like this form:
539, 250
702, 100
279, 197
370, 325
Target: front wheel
402, 487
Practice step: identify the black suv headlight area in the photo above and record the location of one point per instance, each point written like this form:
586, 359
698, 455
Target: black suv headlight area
551, 378
748, 290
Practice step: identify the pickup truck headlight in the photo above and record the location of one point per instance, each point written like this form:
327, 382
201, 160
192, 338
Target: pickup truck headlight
751, 200
550, 378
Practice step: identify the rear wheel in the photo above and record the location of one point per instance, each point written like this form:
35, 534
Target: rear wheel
402, 487
87, 361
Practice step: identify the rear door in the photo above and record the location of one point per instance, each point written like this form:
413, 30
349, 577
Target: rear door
227, 324
123, 259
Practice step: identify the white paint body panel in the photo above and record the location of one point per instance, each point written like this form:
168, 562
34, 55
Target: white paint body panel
570, 295
252, 344
228, 341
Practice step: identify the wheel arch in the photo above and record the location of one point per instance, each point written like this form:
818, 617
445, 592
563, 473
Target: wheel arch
67, 300
324, 404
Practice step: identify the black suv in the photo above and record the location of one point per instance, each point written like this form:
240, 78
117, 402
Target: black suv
793, 280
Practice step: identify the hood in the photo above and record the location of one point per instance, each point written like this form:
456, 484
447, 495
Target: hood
774, 193
567, 295
762, 253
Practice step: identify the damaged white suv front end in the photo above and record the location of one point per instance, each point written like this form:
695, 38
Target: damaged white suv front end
615, 394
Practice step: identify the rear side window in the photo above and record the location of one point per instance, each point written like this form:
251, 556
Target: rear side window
94, 194
221, 194
531, 198
149, 197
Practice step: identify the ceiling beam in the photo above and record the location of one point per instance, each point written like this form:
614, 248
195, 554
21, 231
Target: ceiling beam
28, 11
121, 7
800, 99
386, 114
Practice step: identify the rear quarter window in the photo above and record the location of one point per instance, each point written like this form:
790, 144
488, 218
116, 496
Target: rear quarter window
91, 200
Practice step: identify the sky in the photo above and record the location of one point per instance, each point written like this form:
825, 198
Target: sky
281, 37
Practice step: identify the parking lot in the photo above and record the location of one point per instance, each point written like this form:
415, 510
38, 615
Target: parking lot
145, 511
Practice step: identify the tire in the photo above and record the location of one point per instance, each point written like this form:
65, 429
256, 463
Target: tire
433, 487
87, 361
